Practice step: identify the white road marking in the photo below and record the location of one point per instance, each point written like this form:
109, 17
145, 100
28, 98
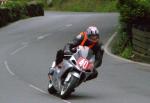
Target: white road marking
38, 89
65, 26
24, 43
30, 85
42, 91
42, 37
8, 69
68, 25
117, 57
66, 101
17, 50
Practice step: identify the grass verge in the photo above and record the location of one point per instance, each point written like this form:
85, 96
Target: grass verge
84, 5
121, 46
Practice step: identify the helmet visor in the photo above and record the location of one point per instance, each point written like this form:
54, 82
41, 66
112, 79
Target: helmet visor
94, 37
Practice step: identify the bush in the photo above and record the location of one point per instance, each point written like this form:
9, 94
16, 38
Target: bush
121, 45
15, 10
85, 5
120, 42
4, 16
35, 9
134, 11
127, 53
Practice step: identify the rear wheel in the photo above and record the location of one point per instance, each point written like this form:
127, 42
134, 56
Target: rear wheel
51, 88
69, 87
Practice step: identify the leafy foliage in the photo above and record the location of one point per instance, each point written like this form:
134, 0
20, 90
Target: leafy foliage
18, 9
85, 5
134, 11
119, 42
127, 53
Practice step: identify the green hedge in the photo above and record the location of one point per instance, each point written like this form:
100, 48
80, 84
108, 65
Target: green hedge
85, 5
119, 42
35, 9
15, 10
134, 11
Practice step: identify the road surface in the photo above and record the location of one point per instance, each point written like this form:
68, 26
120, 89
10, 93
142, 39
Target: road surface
28, 47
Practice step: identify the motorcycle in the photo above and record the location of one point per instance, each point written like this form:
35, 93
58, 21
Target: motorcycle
75, 69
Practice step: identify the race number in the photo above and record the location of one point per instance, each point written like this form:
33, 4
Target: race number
82, 62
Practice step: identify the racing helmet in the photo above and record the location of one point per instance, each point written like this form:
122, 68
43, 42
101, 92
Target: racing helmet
92, 33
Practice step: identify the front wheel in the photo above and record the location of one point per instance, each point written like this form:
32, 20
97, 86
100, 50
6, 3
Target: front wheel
69, 87
51, 88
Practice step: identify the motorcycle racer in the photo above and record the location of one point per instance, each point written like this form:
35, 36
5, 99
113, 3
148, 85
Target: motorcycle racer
89, 38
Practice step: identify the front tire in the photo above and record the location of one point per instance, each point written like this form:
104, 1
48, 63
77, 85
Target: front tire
51, 88
68, 88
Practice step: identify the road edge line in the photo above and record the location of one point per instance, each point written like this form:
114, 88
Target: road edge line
38, 89
42, 91
8, 69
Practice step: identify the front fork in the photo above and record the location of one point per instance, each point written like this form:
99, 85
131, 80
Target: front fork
49, 76
77, 75
80, 76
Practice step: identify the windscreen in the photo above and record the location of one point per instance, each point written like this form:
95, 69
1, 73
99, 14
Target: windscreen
84, 52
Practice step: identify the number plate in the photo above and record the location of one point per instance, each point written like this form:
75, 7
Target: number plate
83, 62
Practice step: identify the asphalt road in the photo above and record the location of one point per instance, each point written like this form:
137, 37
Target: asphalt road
28, 47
